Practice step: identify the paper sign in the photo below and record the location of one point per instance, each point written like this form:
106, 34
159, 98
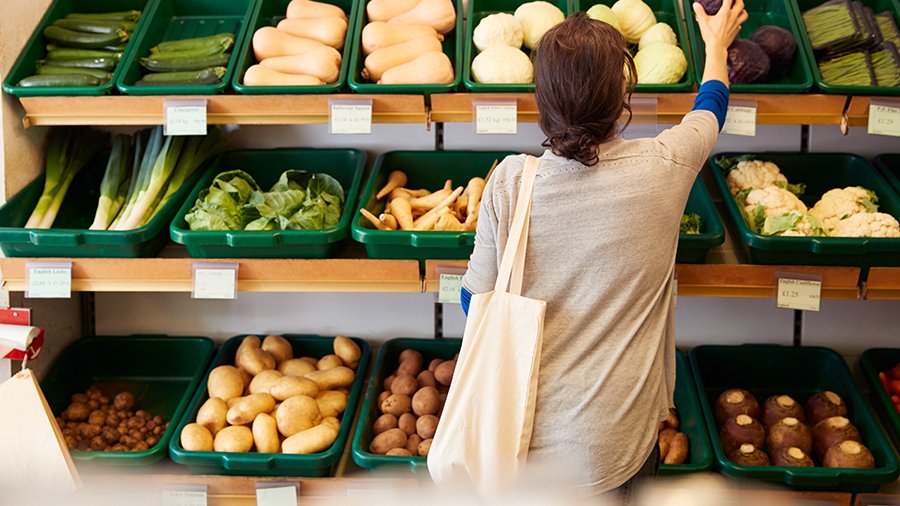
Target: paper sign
884, 118
740, 120
350, 116
215, 281
496, 118
802, 294
450, 287
276, 495
185, 117
49, 280
185, 496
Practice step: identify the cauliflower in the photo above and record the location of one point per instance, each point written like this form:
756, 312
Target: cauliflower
761, 203
754, 174
500, 29
865, 224
793, 224
838, 204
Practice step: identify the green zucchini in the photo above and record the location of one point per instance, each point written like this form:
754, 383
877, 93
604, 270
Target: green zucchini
199, 42
59, 80
56, 69
200, 52
95, 25
155, 65
111, 16
212, 75
84, 63
70, 38
64, 53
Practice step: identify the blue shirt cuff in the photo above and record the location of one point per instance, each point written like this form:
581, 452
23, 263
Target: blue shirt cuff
465, 297
713, 97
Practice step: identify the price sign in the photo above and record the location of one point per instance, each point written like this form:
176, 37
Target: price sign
740, 120
49, 280
496, 118
215, 281
188, 495
350, 116
185, 117
802, 294
884, 118
450, 287
277, 494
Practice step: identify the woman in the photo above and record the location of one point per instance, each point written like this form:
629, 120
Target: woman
601, 247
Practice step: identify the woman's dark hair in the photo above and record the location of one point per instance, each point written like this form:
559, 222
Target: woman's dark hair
579, 66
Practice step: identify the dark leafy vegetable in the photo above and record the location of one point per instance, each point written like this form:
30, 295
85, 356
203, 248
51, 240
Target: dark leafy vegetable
690, 223
779, 45
747, 62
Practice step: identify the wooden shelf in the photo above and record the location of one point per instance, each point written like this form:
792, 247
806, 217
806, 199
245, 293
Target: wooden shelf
883, 283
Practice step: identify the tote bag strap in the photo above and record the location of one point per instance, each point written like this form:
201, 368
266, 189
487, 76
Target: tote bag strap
512, 265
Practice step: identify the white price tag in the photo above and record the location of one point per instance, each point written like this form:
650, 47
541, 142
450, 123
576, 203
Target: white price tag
802, 294
185, 117
884, 118
185, 496
49, 280
282, 495
215, 281
496, 118
450, 287
350, 116
740, 120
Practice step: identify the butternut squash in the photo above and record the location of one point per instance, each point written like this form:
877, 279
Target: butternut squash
257, 75
307, 9
438, 14
329, 31
383, 10
398, 54
323, 63
433, 67
269, 42
378, 35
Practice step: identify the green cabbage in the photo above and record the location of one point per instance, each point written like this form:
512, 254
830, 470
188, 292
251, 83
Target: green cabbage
660, 63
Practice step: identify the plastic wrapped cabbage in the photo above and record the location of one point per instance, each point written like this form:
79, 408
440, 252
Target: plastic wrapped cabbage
635, 17
660, 32
660, 63
603, 13
501, 29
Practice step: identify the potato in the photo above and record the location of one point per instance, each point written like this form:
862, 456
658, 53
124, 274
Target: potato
389, 381
665, 441
235, 439
424, 447
332, 421
404, 384
412, 444
225, 382
384, 422
426, 379
311, 360
263, 381
265, 434
295, 367
245, 411
247, 342
387, 441
212, 415
434, 363
426, 425
407, 422
291, 386
399, 452
247, 378
331, 403
196, 438
348, 350
678, 450
444, 372
381, 397
333, 378
231, 402
312, 440
255, 361
297, 414
410, 363
396, 404
329, 362
279, 347
426, 401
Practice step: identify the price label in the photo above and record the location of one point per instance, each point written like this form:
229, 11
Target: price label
185, 496
350, 116
49, 280
740, 120
276, 495
884, 119
496, 119
802, 294
215, 281
185, 117
450, 287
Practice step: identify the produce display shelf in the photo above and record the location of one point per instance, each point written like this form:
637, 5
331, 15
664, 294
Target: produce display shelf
858, 110
718, 280
883, 283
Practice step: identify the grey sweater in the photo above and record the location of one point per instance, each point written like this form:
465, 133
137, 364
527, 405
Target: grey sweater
601, 253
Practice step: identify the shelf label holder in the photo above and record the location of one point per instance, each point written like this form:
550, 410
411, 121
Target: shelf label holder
740, 118
277, 493
798, 291
48, 280
350, 116
184, 495
449, 284
644, 110
214, 280
884, 117
184, 117
496, 116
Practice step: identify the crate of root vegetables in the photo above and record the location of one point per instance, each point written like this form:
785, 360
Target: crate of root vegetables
77, 48
790, 415
423, 204
278, 203
117, 399
810, 208
881, 368
274, 406
683, 439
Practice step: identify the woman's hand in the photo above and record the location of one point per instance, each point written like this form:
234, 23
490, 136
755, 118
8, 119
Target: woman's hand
718, 33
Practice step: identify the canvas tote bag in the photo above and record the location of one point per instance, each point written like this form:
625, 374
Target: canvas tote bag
485, 429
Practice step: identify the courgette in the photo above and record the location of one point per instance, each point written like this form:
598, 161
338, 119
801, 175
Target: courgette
212, 75
178, 65
200, 52
70, 38
65, 53
84, 63
95, 25
133, 15
199, 42
59, 80
56, 69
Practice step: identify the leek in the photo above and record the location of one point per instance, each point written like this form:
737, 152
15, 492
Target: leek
157, 179
114, 184
140, 180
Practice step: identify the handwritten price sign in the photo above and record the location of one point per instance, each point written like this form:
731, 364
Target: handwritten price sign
185, 117
350, 117
496, 118
740, 120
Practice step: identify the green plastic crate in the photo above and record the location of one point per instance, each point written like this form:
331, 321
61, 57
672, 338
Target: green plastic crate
820, 172
770, 12
666, 11
70, 236
269, 13
799, 6
185, 19
452, 46
889, 166
872, 362
693, 248
272, 464
767, 370
480, 9
266, 165
35, 48
429, 170
386, 361
700, 455
161, 371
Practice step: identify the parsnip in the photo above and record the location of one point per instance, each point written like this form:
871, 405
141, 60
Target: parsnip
427, 220
473, 191
373, 219
429, 201
448, 222
389, 220
402, 211
396, 180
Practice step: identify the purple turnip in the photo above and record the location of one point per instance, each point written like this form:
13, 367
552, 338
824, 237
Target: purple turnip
734, 402
749, 455
778, 407
824, 405
741, 430
789, 432
832, 431
791, 457
849, 454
